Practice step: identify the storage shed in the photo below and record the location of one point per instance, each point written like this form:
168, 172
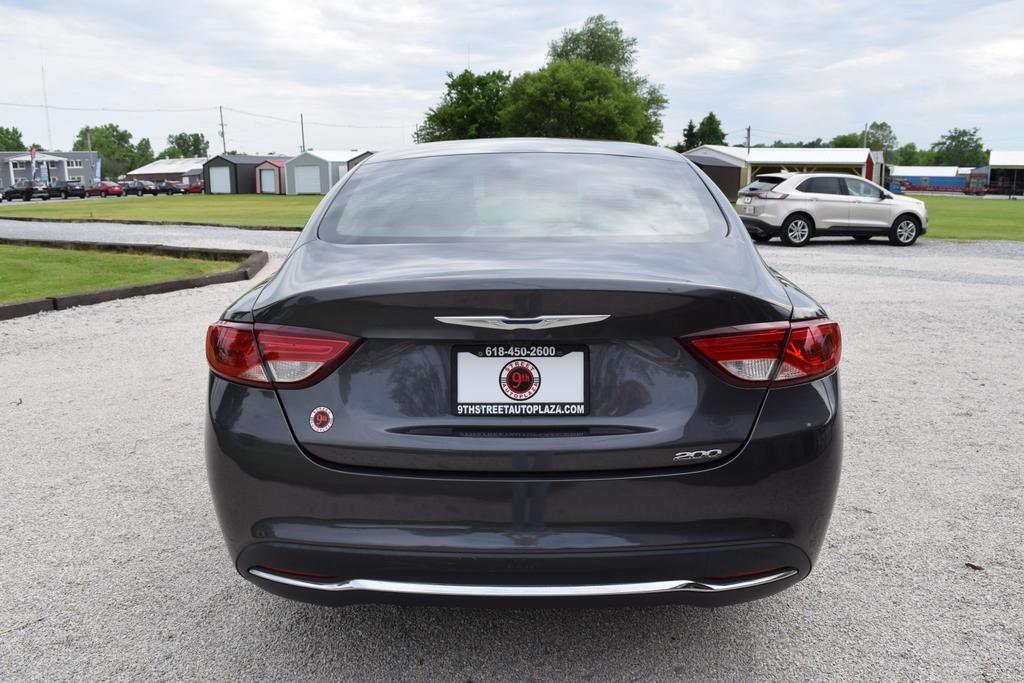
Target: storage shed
233, 173
270, 177
315, 172
725, 173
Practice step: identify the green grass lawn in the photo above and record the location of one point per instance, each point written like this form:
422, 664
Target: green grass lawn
283, 211
970, 218
949, 217
28, 273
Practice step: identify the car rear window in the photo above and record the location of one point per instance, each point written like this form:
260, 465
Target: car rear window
762, 184
505, 196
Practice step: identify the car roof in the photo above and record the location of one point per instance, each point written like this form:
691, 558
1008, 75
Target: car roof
827, 175
779, 174
526, 145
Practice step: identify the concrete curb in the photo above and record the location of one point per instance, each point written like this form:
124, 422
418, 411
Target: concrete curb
34, 219
246, 270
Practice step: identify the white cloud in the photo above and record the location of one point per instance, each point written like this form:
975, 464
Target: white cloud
808, 71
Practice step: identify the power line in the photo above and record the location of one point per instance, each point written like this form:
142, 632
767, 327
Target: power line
260, 116
308, 123
105, 109
349, 125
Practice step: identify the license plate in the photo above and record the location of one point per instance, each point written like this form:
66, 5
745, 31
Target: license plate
520, 380
748, 210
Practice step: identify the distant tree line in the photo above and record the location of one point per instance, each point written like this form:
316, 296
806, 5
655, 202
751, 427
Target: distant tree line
958, 147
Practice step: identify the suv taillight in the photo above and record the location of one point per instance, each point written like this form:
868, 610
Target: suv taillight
274, 355
771, 195
778, 354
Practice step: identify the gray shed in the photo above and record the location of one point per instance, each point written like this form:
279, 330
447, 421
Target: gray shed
315, 172
233, 173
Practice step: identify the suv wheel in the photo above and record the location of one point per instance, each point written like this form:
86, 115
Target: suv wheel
904, 231
796, 232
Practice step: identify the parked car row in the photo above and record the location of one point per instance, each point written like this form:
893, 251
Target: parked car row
27, 190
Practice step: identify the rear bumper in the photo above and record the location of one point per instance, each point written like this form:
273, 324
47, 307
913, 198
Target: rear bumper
524, 578
764, 509
760, 227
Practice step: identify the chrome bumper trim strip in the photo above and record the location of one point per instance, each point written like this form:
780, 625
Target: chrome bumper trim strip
612, 589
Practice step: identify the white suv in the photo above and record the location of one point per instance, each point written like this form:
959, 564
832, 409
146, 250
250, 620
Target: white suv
798, 206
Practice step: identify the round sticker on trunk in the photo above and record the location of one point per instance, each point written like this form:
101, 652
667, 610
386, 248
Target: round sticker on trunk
519, 379
321, 419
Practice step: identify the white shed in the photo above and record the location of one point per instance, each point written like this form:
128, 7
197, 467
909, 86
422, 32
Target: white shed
315, 172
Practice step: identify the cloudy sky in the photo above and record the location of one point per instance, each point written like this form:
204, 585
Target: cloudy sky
370, 69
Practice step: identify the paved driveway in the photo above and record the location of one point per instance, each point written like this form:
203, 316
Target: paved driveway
112, 564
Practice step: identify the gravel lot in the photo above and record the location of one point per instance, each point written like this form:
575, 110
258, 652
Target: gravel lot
113, 566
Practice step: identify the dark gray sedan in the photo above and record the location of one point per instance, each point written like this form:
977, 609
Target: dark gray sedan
528, 372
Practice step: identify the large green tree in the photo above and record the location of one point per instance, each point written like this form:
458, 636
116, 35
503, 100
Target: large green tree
574, 99
10, 140
689, 138
143, 153
880, 136
910, 155
114, 146
847, 140
960, 147
709, 131
601, 41
183, 145
469, 108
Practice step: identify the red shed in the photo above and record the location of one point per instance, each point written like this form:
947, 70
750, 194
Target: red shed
270, 177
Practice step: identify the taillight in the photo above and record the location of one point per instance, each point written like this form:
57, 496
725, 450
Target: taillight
771, 195
779, 354
274, 355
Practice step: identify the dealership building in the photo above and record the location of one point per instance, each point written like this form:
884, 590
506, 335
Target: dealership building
50, 166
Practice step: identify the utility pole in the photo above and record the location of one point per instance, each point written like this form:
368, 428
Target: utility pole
865, 135
748, 140
88, 138
223, 140
302, 128
46, 108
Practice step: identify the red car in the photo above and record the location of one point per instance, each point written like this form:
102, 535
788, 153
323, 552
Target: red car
195, 189
104, 188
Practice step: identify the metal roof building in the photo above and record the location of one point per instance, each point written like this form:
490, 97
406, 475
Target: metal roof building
167, 169
927, 171
314, 172
855, 160
1006, 174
